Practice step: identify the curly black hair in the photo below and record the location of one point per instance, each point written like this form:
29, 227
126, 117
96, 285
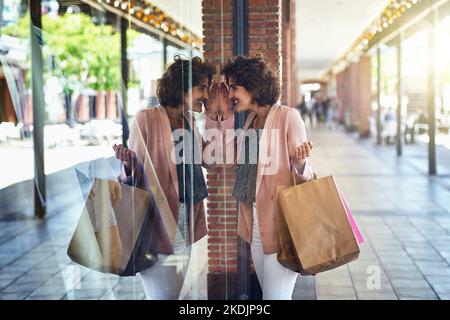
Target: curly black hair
256, 76
174, 83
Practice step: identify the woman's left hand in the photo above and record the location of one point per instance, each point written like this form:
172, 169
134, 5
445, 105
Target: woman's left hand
302, 151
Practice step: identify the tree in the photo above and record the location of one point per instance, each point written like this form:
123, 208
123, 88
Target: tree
82, 52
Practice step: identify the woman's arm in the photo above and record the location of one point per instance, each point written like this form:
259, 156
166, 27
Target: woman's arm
298, 146
132, 169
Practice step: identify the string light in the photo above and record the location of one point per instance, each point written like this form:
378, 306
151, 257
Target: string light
148, 13
393, 11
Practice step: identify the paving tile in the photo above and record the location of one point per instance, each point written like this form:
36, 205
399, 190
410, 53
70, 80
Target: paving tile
335, 281
433, 279
424, 293
335, 293
44, 297
442, 288
85, 294
22, 287
367, 295
409, 283
444, 296
13, 296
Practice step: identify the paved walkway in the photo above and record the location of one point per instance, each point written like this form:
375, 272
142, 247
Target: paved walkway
404, 216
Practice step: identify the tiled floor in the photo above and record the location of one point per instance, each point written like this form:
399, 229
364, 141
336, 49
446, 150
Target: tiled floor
404, 216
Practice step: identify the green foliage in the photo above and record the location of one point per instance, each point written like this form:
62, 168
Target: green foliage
85, 53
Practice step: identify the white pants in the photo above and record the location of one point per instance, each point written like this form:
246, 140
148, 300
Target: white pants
277, 282
164, 280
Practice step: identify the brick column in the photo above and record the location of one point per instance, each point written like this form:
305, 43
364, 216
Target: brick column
354, 96
346, 95
264, 27
221, 207
289, 82
340, 78
365, 96
359, 94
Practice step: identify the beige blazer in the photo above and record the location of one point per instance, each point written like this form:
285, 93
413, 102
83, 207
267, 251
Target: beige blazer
151, 132
284, 130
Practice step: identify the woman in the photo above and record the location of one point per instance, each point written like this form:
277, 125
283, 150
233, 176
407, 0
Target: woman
167, 138
280, 152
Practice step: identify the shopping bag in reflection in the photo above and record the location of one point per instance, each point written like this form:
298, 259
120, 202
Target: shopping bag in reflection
314, 231
116, 232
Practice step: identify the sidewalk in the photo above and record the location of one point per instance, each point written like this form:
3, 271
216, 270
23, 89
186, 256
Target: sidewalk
404, 216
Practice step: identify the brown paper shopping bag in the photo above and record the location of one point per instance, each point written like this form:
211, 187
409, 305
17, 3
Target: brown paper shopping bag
314, 232
116, 237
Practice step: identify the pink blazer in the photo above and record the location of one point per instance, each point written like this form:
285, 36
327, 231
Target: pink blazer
284, 130
154, 127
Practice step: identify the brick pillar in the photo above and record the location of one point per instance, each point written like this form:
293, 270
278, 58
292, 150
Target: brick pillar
365, 96
294, 82
354, 96
289, 87
264, 27
340, 93
346, 95
221, 207
323, 89
358, 91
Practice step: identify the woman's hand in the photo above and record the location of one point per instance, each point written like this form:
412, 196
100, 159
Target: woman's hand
301, 152
126, 155
218, 103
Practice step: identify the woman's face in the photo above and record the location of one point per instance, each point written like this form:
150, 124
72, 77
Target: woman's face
242, 99
199, 96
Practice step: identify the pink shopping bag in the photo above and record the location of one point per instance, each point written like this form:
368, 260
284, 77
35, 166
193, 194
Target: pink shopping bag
352, 221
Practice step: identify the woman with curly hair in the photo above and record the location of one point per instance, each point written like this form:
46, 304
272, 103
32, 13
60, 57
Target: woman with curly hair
168, 138
271, 150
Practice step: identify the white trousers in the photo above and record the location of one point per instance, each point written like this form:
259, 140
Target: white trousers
277, 282
164, 280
